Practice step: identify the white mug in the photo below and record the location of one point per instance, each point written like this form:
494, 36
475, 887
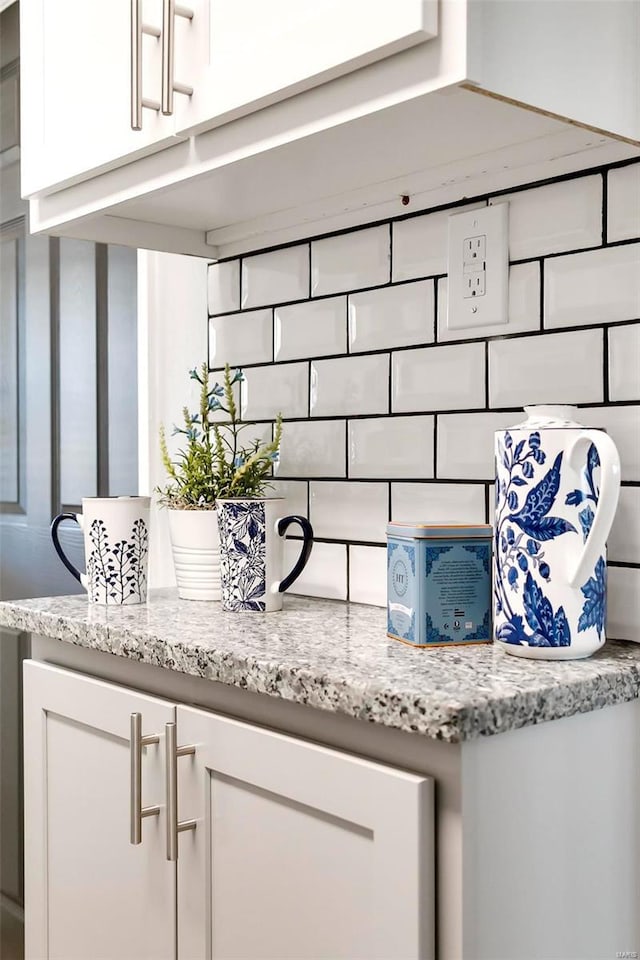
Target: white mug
116, 544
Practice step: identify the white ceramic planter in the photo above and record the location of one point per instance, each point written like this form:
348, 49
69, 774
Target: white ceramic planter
195, 542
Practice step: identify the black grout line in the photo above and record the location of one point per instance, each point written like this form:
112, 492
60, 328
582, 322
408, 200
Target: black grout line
347, 570
435, 446
605, 365
623, 564
541, 326
390, 253
310, 273
240, 261
486, 374
487, 503
435, 310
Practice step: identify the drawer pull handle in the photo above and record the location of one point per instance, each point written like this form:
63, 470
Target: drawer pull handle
138, 812
174, 826
171, 10
137, 29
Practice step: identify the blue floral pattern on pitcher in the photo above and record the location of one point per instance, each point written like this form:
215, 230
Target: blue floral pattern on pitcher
527, 501
242, 555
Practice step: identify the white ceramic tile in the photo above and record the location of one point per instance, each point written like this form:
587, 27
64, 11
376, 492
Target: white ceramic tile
275, 277
623, 603
313, 448
368, 575
316, 328
438, 378
268, 391
459, 502
623, 204
240, 338
223, 286
524, 306
624, 540
624, 362
350, 261
556, 217
623, 426
557, 368
420, 243
391, 447
349, 511
295, 496
598, 286
391, 316
492, 503
465, 444
350, 386
325, 575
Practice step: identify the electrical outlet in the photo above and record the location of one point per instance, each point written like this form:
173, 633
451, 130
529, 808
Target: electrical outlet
478, 284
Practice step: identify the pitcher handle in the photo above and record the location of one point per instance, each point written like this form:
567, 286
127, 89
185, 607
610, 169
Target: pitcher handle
607, 501
282, 525
80, 577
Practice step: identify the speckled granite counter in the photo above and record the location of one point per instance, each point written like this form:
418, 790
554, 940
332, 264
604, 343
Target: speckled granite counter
335, 656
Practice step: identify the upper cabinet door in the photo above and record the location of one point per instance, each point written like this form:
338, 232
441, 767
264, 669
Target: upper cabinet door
90, 894
76, 79
239, 55
299, 851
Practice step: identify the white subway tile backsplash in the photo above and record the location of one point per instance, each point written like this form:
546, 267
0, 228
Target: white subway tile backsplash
624, 362
349, 510
316, 328
396, 316
368, 575
623, 603
623, 426
241, 338
223, 286
275, 277
313, 448
623, 545
350, 261
420, 243
465, 443
623, 203
598, 286
325, 575
268, 391
459, 502
391, 447
389, 413
555, 217
350, 386
439, 378
295, 493
524, 306
556, 368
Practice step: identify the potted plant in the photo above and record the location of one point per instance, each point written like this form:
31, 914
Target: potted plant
211, 464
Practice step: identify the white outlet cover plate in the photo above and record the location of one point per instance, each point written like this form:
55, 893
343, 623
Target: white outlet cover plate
464, 312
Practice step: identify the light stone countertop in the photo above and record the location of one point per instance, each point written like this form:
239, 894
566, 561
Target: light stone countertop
336, 656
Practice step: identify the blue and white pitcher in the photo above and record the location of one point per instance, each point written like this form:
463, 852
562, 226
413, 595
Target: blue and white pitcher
557, 487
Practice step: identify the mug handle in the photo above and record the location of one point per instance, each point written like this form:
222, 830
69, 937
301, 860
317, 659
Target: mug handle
607, 501
282, 525
80, 577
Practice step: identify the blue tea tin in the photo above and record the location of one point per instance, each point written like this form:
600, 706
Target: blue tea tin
439, 583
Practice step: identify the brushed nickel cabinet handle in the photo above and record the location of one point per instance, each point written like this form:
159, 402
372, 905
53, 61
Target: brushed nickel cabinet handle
174, 826
138, 812
137, 100
171, 10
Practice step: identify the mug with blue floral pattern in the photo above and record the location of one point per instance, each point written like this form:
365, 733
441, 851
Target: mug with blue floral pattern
557, 488
251, 553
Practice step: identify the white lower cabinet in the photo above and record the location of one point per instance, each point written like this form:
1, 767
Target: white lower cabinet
297, 851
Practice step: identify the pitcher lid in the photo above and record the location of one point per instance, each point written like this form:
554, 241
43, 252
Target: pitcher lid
549, 416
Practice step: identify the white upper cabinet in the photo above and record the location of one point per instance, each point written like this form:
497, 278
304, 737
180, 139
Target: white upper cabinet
78, 87
240, 55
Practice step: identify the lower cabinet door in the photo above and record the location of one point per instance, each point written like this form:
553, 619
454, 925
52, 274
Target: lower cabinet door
299, 851
89, 893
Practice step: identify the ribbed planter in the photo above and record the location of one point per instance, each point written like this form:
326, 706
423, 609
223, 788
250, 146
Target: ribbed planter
195, 542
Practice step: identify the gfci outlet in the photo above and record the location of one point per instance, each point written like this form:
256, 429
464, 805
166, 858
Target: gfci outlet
478, 288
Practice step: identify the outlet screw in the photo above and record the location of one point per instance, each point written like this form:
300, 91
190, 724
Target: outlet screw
406, 200
474, 309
